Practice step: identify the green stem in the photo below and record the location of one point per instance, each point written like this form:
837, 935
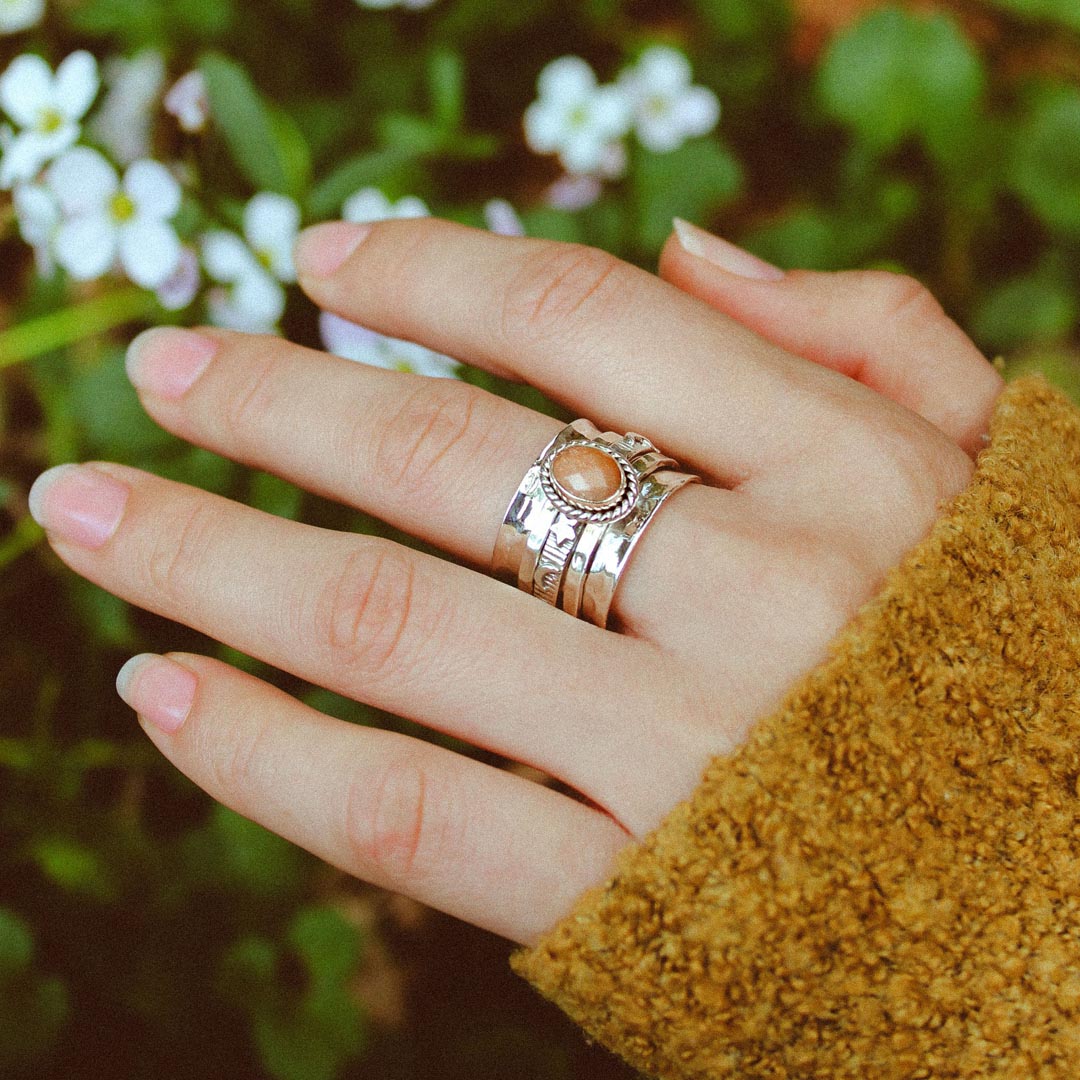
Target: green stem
70, 324
26, 535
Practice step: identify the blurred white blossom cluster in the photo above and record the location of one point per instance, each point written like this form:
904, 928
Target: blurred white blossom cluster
90, 198
587, 123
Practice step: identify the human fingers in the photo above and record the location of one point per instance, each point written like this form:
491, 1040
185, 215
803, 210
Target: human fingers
379, 622
477, 842
884, 329
605, 337
438, 458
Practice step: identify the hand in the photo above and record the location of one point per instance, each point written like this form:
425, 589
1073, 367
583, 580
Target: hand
829, 414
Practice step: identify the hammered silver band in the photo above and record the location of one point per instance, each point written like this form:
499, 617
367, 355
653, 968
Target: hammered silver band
568, 550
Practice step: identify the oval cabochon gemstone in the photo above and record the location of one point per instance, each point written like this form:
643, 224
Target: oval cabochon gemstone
587, 474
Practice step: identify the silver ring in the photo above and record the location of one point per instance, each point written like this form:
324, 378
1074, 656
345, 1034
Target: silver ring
569, 530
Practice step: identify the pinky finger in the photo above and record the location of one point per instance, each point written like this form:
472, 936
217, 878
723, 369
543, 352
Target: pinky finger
477, 842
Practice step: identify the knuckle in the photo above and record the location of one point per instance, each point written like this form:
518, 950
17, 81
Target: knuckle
556, 284
180, 549
233, 757
254, 397
399, 825
902, 297
436, 423
365, 613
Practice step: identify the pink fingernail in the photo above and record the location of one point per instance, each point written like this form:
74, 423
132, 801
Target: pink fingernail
165, 361
157, 688
724, 254
321, 250
78, 503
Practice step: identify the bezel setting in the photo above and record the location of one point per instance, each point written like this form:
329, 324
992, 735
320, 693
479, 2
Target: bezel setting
616, 506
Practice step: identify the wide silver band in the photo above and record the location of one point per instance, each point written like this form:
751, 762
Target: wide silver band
571, 554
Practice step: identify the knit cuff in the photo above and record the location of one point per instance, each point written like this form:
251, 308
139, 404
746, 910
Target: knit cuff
884, 881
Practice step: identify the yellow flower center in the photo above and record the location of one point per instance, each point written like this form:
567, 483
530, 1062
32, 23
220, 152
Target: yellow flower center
266, 259
122, 208
658, 106
579, 116
49, 120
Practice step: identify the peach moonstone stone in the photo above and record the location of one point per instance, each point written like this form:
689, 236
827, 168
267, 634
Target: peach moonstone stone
587, 474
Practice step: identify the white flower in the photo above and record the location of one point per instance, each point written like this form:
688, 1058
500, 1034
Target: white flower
252, 268
38, 214
16, 15
250, 298
353, 342
667, 109
106, 219
182, 286
125, 118
370, 204
502, 218
188, 101
47, 107
577, 119
573, 192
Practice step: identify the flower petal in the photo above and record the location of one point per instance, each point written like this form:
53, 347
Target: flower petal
367, 204
697, 111
182, 285
86, 246
253, 304
348, 339
23, 158
501, 217
662, 70
153, 189
36, 211
82, 180
610, 112
76, 84
546, 124
149, 251
567, 80
226, 257
271, 223
26, 87
16, 15
582, 152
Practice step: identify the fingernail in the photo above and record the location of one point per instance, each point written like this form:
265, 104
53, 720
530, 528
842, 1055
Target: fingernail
165, 361
157, 688
78, 503
322, 249
723, 253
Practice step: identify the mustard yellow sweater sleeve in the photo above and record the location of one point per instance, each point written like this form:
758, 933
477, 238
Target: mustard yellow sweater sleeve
884, 881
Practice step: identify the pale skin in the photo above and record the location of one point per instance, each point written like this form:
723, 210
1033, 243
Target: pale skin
830, 416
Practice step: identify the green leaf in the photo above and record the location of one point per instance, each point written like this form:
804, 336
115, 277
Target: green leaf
112, 420
416, 136
1064, 12
251, 132
446, 77
364, 170
691, 182
16, 943
275, 496
232, 852
328, 942
1032, 307
74, 867
896, 73
1044, 167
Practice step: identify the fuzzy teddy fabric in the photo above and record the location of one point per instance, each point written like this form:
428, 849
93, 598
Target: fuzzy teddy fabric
884, 881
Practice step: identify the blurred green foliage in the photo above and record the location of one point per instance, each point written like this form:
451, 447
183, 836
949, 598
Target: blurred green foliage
144, 931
